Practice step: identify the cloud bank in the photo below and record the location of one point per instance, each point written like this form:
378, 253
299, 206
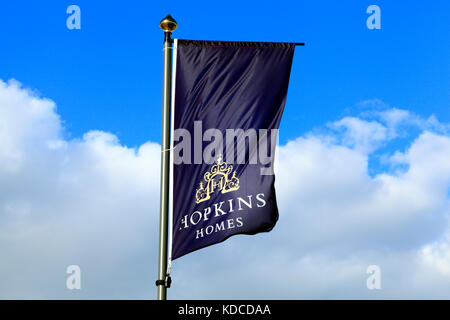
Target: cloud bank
94, 202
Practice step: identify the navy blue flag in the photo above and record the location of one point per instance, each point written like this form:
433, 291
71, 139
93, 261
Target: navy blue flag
228, 98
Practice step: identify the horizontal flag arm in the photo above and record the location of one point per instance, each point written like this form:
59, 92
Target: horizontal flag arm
237, 44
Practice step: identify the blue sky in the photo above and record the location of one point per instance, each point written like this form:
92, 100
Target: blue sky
363, 176
108, 74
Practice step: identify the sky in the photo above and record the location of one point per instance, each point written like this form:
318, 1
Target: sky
363, 173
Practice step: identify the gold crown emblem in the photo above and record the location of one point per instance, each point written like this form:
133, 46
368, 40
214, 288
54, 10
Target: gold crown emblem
217, 179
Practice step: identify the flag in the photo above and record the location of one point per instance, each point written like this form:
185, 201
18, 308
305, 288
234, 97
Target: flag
227, 103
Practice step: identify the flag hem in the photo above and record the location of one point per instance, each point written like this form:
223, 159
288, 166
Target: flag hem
210, 43
172, 117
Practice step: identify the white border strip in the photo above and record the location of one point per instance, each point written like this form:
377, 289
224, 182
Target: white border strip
172, 118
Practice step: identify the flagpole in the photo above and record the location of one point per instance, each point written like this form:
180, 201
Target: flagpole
168, 24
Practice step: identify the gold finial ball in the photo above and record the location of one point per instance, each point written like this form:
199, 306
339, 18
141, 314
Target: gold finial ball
168, 24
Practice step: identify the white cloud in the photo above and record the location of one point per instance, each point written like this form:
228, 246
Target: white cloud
437, 256
94, 202
335, 194
88, 201
365, 136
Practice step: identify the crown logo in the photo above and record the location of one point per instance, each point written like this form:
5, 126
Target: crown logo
217, 179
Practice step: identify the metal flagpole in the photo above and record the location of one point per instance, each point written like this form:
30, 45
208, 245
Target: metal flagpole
168, 24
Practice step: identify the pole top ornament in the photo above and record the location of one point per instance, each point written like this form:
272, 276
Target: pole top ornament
168, 24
